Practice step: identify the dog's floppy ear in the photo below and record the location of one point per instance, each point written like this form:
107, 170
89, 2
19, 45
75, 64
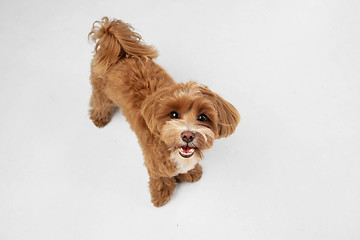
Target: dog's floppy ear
148, 112
228, 116
149, 108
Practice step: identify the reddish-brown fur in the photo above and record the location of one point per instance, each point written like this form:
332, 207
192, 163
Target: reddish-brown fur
124, 75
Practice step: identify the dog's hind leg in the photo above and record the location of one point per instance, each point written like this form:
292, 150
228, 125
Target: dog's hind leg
102, 108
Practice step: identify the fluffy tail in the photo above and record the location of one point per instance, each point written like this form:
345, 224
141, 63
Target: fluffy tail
115, 40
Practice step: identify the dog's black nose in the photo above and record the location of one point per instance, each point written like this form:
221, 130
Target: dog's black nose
187, 136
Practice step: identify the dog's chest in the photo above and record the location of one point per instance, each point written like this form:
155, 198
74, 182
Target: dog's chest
184, 164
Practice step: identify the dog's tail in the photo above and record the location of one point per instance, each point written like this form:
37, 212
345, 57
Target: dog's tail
114, 40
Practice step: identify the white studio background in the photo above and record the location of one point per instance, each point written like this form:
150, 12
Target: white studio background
291, 170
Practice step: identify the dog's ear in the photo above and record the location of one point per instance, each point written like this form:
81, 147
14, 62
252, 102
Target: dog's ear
228, 116
149, 108
148, 112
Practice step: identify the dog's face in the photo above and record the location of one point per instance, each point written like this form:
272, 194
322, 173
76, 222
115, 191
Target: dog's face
188, 118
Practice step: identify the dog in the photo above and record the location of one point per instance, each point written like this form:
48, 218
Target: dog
174, 122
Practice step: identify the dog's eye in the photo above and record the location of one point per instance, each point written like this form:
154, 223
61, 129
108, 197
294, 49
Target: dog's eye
203, 118
174, 115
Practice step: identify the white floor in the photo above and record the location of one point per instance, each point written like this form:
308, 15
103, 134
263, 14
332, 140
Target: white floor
291, 170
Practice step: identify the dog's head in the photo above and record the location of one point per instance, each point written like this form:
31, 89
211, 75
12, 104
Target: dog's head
188, 118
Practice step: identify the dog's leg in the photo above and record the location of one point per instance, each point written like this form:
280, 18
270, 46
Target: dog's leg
161, 189
192, 175
102, 108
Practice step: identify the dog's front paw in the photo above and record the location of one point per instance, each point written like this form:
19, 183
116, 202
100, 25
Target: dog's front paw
101, 118
192, 175
161, 190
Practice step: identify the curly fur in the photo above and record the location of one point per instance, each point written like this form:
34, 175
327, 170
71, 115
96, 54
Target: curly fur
124, 75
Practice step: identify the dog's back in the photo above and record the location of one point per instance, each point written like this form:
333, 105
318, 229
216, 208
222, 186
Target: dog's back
123, 73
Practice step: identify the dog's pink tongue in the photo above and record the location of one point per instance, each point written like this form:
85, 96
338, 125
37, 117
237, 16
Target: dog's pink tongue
186, 148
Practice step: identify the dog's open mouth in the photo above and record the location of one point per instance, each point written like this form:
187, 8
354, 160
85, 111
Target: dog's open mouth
186, 151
